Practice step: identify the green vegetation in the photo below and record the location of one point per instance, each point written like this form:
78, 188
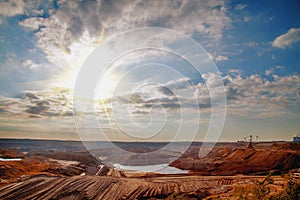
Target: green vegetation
290, 192
261, 190
199, 194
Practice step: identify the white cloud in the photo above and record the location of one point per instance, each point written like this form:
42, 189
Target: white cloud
32, 23
217, 58
279, 67
234, 71
248, 97
269, 72
55, 102
246, 18
221, 58
240, 7
251, 96
29, 64
11, 8
252, 44
287, 39
10, 105
255, 96
73, 30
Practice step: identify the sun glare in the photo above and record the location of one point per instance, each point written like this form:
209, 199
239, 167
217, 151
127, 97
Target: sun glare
105, 87
73, 61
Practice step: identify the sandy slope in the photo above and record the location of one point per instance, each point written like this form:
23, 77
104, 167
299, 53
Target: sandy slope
105, 187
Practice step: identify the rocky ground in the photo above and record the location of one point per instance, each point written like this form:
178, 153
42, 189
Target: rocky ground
231, 160
45, 174
107, 187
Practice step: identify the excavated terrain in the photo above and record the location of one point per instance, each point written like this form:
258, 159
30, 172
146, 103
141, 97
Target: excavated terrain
44, 174
232, 160
105, 187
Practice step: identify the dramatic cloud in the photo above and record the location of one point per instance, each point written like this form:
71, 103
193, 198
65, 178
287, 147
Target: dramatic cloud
255, 96
46, 42
287, 39
10, 105
56, 102
251, 96
77, 26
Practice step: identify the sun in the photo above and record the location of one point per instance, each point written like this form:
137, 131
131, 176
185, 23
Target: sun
105, 87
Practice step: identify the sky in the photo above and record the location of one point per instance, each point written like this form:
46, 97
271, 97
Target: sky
243, 80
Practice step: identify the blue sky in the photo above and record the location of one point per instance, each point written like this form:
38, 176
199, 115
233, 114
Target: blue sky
255, 46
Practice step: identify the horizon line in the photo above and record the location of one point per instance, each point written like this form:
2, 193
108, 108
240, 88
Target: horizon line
120, 141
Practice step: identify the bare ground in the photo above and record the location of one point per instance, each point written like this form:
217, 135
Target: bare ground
77, 175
